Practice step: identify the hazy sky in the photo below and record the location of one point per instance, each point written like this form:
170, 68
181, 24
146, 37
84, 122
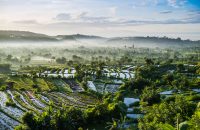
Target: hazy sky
174, 18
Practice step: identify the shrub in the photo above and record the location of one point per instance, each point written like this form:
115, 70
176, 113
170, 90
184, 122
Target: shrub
137, 111
2, 88
169, 99
21, 127
184, 126
135, 104
150, 95
9, 102
35, 86
194, 98
17, 96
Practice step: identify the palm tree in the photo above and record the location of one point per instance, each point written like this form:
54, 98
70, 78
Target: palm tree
117, 124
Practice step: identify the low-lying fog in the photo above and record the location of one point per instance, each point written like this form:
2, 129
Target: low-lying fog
83, 43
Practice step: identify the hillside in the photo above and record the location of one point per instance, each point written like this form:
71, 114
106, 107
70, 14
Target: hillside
155, 41
15, 36
24, 36
78, 37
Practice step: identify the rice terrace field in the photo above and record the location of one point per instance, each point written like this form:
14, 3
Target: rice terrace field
40, 91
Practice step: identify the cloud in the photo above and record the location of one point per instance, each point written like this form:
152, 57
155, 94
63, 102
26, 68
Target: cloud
79, 15
70, 16
176, 3
63, 16
166, 12
26, 22
172, 3
189, 20
83, 17
194, 13
182, 2
144, 3
192, 19
96, 19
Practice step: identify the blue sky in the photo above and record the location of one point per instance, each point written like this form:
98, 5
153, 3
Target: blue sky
173, 18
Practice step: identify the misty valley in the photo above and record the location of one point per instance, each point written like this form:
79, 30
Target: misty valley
70, 82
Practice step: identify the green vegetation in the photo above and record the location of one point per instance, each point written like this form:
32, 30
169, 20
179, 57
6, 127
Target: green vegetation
116, 87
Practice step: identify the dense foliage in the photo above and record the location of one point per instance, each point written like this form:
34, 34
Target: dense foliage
72, 118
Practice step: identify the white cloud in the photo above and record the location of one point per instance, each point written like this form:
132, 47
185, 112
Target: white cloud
172, 3
176, 3
63, 16
82, 17
26, 22
144, 3
71, 17
79, 15
166, 12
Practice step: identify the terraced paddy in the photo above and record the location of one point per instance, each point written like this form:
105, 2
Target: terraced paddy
23, 93
24, 101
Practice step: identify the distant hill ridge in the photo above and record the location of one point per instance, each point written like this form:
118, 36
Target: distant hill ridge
30, 36
24, 36
151, 39
78, 36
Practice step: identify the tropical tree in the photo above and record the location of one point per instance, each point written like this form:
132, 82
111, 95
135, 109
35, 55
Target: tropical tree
167, 113
150, 96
